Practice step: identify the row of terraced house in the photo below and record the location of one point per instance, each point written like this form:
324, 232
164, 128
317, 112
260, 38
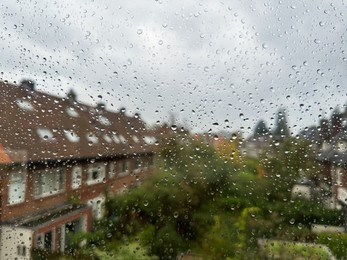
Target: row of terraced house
59, 159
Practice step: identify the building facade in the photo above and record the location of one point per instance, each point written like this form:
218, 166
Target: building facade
59, 160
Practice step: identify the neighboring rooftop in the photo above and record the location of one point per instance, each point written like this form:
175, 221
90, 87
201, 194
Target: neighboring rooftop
49, 128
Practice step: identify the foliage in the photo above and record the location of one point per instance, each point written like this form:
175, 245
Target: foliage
260, 129
336, 242
306, 213
288, 250
229, 149
284, 162
199, 202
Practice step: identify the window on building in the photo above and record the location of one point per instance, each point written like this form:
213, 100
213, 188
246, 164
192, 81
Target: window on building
24, 105
21, 250
76, 177
112, 170
138, 165
97, 205
107, 138
71, 136
45, 134
122, 139
123, 168
71, 112
149, 139
96, 173
103, 120
92, 138
49, 182
116, 138
136, 139
17, 187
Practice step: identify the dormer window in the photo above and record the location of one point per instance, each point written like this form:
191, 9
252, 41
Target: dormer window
71, 112
107, 138
92, 138
149, 139
45, 134
136, 139
122, 139
103, 120
116, 139
71, 136
24, 105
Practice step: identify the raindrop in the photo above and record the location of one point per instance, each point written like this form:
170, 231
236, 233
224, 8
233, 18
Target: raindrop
139, 31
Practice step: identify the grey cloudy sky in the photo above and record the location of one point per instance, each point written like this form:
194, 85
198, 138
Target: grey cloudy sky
205, 61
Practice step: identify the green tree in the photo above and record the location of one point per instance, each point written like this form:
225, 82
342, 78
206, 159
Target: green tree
260, 129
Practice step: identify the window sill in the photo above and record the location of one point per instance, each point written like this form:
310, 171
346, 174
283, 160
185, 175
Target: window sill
136, 171
93, 182
49, 194
123, 174
15, 203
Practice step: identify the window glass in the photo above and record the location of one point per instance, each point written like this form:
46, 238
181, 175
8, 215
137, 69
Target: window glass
17, 187
96, 173
123, 167
49, 182
76, 177
112, 170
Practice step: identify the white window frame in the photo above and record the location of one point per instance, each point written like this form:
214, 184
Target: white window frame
12, 184
112, 170
44, 191
121, 171
97, 205
76, 177
137, 167
71, 136
45, 134
100, 168
25, 105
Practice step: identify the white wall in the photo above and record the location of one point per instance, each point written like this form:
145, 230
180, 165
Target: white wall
13, 240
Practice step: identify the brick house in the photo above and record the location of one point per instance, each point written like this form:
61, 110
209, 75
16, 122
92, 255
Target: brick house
332, 155
59, 159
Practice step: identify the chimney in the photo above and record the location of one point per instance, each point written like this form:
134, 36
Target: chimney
72, 96
122, 110
28, 84
100, 107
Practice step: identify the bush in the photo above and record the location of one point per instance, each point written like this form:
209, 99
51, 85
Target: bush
337, 243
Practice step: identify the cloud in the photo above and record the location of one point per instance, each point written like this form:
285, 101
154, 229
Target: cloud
205, 61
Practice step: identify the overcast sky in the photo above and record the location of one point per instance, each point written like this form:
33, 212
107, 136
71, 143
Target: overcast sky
207, 62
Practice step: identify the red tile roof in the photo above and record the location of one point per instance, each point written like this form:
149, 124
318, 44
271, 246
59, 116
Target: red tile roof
25, 111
